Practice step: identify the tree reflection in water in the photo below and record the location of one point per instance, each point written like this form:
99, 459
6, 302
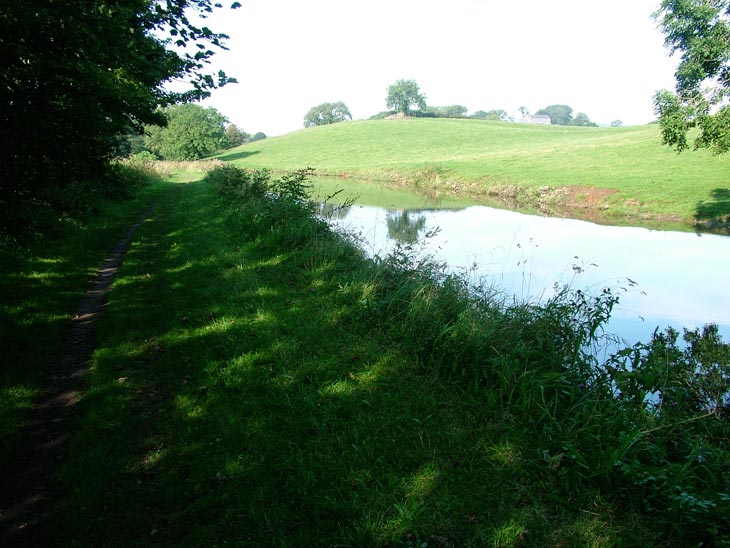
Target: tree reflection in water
405, 226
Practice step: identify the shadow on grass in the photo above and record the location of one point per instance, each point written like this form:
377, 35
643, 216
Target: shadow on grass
238, 155
239, 398
40, 289
715, 215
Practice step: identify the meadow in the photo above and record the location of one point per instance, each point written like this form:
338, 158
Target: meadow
258, 381
623, 172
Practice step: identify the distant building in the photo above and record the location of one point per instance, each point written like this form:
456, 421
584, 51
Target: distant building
542, 119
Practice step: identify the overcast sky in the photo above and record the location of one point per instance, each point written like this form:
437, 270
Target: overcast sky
606, 59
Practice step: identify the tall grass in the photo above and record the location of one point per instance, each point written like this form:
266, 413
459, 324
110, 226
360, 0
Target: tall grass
649, 426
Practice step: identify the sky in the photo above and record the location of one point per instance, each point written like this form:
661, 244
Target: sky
606, 59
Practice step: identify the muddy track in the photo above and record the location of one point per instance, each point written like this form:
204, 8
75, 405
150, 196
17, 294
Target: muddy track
27, 485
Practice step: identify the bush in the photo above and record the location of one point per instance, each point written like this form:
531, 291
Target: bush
649, 426
39, 214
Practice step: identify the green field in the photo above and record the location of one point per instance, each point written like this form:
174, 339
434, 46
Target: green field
638, 178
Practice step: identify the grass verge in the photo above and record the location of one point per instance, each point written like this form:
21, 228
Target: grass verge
259, 382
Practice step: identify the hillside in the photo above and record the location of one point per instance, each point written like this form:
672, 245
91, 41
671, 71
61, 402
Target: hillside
636, 173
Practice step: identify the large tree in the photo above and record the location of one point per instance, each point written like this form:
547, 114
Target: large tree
560, 115
327, 113
75, 73
192, 132
699, 30
403, 95
581, 119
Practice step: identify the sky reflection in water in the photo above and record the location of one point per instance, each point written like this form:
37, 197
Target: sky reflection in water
681, 278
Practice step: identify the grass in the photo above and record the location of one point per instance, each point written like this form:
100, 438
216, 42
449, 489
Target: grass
259, 382
41, 284
474, 158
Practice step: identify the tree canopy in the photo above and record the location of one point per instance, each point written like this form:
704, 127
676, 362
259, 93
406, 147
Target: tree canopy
235, 136
498, 115
560, 115
403, 95
327, 113
78, 72
581, 119
192, 132
700, 32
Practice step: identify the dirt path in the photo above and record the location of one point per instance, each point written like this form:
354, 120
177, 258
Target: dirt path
26, 487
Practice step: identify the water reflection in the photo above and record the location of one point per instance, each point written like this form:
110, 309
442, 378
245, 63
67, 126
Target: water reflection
330, 211
681, 277
405, 226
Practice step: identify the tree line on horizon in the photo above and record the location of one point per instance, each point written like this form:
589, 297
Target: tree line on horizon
405, 98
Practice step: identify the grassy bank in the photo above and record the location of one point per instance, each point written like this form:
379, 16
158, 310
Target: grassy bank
623, 172
259, 382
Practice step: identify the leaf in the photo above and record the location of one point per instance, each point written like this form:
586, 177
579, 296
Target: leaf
235, 5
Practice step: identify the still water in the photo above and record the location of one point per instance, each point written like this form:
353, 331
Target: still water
664, 278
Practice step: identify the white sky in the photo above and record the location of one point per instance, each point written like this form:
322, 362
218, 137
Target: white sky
606, 59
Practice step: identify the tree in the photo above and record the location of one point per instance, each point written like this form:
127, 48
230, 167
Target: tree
77, 73
192, 132
403, 95
559, 114
617, 123
452, 111
234, 136
259, 136
700, 32
497, 115
327, 113
581, 119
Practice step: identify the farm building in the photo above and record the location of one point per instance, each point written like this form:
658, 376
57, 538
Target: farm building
542, 119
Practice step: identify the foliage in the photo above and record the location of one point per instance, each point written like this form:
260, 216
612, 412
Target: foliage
453, 111
191, 133
649, 426
497, 115
258, 136
560, 115
78, 73
327, 113
403, 95
700, 32
127, 145
234, 136
617, 123
581, 119
382, 115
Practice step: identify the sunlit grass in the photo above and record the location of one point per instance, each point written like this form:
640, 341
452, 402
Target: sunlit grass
453, 160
